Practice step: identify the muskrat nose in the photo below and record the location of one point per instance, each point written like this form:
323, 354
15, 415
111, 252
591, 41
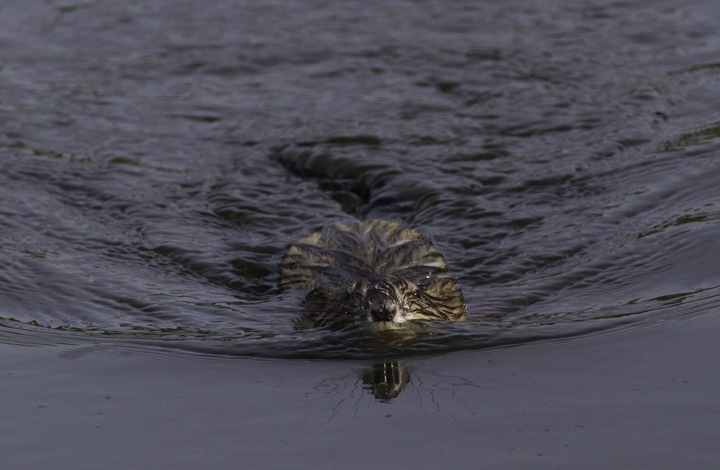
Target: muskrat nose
382, 313
381, 302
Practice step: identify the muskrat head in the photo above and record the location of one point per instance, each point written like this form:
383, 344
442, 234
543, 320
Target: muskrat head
393, 302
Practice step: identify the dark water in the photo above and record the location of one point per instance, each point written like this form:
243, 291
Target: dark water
158, 156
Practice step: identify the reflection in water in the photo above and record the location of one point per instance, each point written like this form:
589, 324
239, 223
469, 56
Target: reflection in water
385, 380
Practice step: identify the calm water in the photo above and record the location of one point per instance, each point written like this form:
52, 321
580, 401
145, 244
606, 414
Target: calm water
157, 156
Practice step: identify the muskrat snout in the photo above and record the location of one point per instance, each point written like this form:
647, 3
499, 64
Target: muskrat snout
381, 303
383, 312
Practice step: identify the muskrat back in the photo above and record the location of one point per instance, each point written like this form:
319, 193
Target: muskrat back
374, 271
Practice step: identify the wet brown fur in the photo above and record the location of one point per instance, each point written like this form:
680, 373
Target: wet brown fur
374, 271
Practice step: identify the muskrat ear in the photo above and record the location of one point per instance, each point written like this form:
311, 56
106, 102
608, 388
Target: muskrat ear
320, 298
322, 307
446, 297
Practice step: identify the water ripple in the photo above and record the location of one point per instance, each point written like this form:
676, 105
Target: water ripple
153, 170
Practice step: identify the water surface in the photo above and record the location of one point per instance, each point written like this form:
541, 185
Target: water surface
156, 158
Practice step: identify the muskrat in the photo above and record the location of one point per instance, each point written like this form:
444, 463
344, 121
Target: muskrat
374, 272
